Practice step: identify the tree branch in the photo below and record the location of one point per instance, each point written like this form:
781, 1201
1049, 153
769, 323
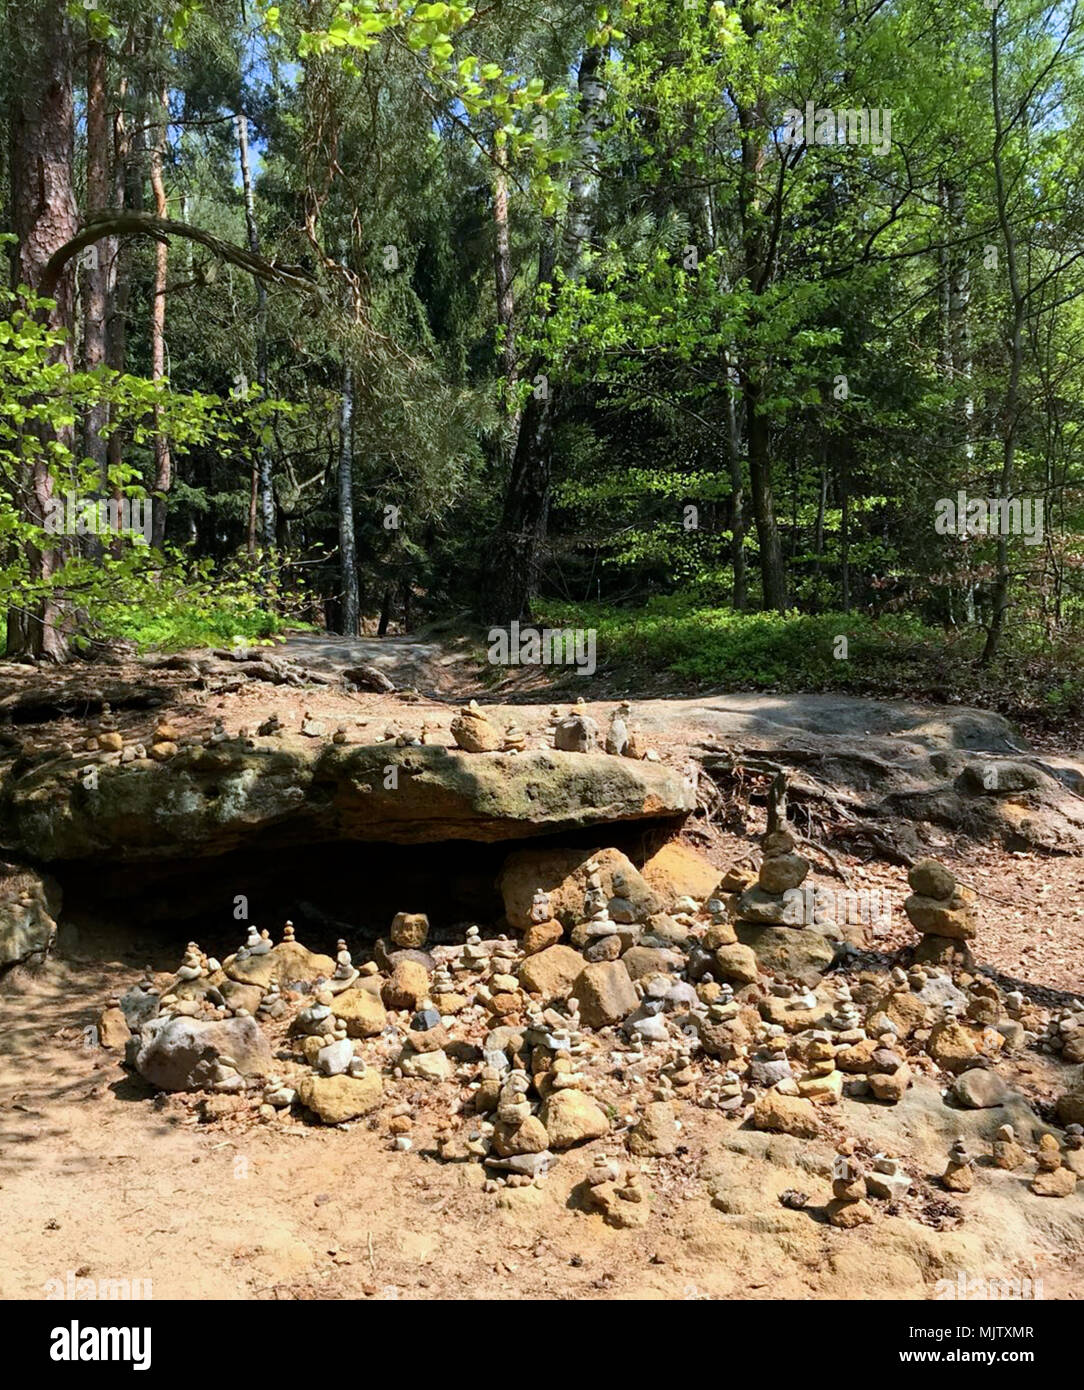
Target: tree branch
117, 222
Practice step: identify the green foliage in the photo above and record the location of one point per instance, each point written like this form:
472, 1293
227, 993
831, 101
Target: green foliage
101, 572
717, 648
199, 604
852, 300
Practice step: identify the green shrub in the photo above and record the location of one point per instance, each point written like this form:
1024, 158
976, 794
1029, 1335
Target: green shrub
894, 656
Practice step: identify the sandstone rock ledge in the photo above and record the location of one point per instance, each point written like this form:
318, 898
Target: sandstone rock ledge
207, 801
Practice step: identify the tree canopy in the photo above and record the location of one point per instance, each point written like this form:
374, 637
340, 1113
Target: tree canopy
394, 311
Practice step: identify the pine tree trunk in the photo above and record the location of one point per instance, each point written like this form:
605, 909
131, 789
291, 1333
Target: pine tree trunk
97, 275
120, 266
772, 571
523, 523
845, 530
516, 554
758, 272
506, 304
44, 217
1011, 411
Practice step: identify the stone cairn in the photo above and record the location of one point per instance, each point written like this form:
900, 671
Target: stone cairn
474, 732
959, 1174
109, 738
781, 870
620, 1194
848, 1207
617, 735
515, 740
1052, 1178
598, 928
942, 912
346, 974
887, 1180
1065, 1033
164, 742
1006, 1152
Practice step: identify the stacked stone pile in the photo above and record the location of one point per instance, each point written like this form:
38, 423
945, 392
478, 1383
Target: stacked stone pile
474, 732
781, 870
513, 1051
942, 912
1064, 1033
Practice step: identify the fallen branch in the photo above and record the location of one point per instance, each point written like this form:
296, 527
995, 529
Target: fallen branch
837, 868
878, 838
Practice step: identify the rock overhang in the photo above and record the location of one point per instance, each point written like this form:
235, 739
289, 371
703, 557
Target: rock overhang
207, 801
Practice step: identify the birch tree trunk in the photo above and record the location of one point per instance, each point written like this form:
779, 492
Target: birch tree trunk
348, 561
263, 486
163, 462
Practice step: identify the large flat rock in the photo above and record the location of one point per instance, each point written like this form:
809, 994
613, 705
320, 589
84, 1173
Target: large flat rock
207, 801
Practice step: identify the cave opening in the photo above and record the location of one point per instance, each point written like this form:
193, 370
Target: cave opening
148, 909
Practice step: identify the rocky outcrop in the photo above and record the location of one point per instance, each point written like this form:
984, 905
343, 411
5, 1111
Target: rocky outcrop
28, 907
207, 801
562, 874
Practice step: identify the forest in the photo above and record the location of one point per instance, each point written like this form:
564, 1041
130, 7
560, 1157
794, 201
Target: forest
746, 336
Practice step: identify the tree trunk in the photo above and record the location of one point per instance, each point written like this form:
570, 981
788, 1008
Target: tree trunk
956, 353
1010, 417
348, 561
740, 591
163, 463
120, 268
265, 487
758, 274
44, 217
514, 570
97, 274
583, 184
772, 572
506, 304
845, 530
822, 505
526, 509
250, 544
